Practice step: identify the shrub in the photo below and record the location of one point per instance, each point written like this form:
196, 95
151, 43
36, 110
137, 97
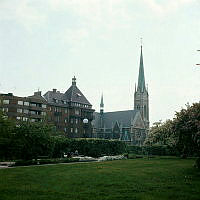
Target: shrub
97, 147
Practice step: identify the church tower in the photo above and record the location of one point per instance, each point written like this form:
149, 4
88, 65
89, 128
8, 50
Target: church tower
141, 96
101, 112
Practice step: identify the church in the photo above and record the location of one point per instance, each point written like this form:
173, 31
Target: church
131, 126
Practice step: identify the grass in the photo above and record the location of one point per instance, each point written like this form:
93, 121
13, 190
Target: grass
140, 179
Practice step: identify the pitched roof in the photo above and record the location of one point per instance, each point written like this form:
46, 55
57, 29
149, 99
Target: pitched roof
73, 94
37, 95
50, 96
124, 118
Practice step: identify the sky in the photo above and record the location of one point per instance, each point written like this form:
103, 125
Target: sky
44, 43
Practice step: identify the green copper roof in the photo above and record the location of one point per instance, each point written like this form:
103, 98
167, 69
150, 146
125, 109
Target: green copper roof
101, 104
141, 80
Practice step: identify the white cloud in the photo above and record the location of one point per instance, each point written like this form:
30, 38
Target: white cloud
74, 37
96, 12
22, 12
167, 7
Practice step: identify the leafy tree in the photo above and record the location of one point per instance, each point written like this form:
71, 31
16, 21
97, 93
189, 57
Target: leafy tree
161, 133
35, 140
7, 128
186, 127
182, 133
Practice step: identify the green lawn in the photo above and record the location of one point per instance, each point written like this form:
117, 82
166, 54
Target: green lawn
169, 178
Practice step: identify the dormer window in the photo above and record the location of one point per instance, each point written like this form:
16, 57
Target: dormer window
55, 100
78, 94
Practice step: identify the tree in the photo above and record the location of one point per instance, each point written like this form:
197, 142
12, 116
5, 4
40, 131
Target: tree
161, 133
7, 128
34, 139
186, 127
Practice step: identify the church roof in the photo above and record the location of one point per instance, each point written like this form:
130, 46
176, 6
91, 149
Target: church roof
124, 118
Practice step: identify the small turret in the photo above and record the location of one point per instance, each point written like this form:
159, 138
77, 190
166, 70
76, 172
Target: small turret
101, 104
74, 81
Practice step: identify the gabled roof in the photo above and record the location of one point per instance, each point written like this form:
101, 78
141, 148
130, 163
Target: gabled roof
73, 94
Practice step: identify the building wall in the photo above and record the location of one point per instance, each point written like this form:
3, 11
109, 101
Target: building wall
23, 108
69, 119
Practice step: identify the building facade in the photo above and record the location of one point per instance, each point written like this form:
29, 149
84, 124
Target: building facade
70, 112
31, 108
130, 125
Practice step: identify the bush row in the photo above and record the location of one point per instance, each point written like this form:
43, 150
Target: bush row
159, 150
90, 147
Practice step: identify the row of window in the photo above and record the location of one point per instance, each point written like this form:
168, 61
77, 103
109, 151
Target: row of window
6, 101
73, 104
4, 109
25, 119
25, 103
72, 130
59, 109
81, 105
32, 112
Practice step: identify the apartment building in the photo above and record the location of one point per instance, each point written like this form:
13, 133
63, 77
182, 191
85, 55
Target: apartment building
32, 108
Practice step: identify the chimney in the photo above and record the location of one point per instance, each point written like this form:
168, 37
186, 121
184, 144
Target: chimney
54, 90
39, 93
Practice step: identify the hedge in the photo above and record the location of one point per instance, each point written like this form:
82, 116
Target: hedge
160, 150
90, 147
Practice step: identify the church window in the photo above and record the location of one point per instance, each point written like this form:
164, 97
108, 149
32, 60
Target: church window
145, 111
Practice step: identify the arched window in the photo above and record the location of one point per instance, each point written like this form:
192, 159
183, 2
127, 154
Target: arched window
145, 111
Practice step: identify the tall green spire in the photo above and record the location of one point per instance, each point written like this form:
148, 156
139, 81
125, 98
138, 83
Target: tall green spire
101, 104
141, 80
